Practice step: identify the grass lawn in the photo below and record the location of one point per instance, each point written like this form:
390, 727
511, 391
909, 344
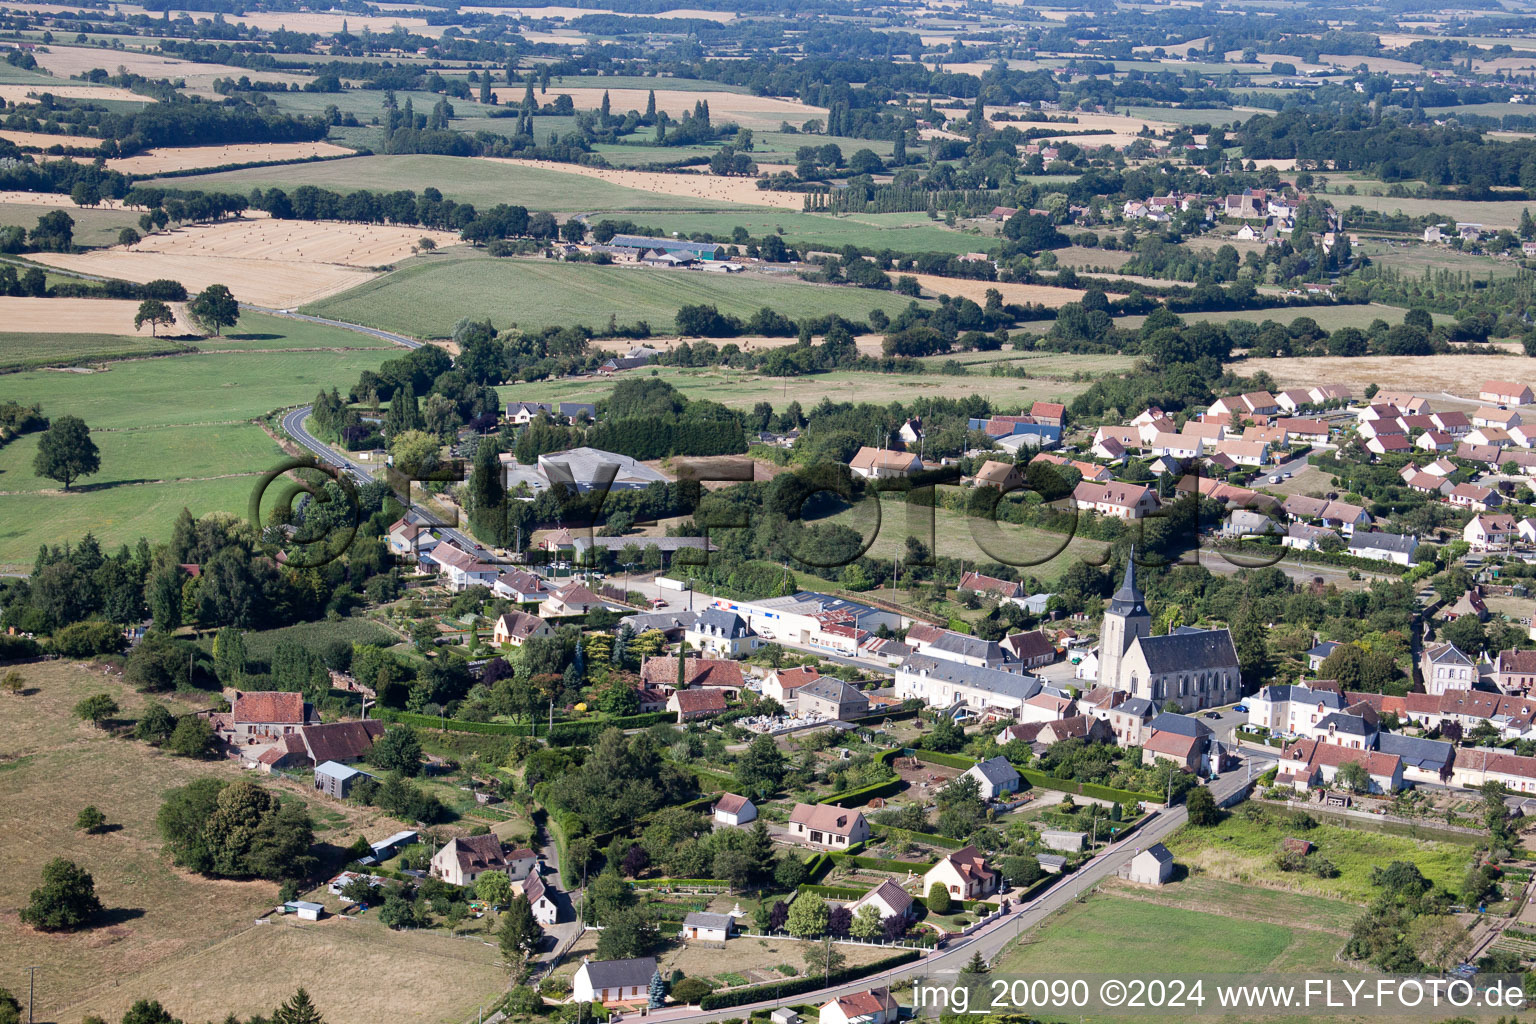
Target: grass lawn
1411, 260
1110, 933
740, 389
481, 182
258, 332
426, 297
150, 455
904, 232
19, 351
188, 941
1032, 551
173, 432
1243, 850
92, 227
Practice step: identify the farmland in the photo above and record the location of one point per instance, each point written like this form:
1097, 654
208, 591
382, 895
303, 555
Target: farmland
482, 182
906, 232
426, 297
23, 350
274, 263
173, 432
164, 925
92, 226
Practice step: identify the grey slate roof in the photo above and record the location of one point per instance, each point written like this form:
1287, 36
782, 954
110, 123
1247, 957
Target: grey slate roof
1323, 649
718, 620
1138, 706
621, 973
992, 680
1180, 725
1431, 755
698, 920
1160, 851
830, 688
1189, 652
1396, 543
658, 620
997, 770
1128, 600
968, 646
1350, 725
1280, 693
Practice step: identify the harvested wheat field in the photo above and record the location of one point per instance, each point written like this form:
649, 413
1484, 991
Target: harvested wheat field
276, 263
28, 93
1456, 375
745, 109
54, 199
79, 316
43, 140
976, 291
867, 344
693, 186
159, 161
65, 61
325, 24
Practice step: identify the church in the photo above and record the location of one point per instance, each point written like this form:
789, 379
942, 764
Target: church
1194, 668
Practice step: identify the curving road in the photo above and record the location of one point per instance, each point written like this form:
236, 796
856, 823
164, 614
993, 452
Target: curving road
293, 424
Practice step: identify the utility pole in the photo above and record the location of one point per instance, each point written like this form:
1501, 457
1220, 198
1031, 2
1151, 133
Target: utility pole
31, 987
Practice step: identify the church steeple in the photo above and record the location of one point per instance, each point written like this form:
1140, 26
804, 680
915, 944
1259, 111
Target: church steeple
1128, 600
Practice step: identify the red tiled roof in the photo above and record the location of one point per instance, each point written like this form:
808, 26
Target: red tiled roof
694, 701
275, 707
825, 818
704, 672
731, 803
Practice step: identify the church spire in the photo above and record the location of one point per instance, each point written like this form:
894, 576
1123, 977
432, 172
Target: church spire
1128, 600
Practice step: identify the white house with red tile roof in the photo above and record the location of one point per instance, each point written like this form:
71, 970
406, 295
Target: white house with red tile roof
1488, 531
782, 684
890, 899
692, 704
466, 858
876, 1006
965, 874
1317, 762
827, 827
1505, 392
1478, 765
1474, 496
1486, 416
1120, 500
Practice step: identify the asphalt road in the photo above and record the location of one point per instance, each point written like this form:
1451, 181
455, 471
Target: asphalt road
293, 424
991, 940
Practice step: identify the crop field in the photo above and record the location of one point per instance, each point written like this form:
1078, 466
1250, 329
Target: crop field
1243, 851
19, 351
741, 389
1330, 318
745, 109
1414, 259
1491, 214
162, 925
976, 291
158, 161
482, 182
78, 316
907, 232
65, 61
705, 188
426, 297
274, 263
1448, 375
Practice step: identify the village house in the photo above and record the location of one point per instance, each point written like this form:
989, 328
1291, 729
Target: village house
520, 586
876, 1006
409, 541
1504, 392
1030, 650
1074, 727
890, 899
827, 827
1443, 668
516, 628
571, 599
884, 464
1001, 589
1475, 497
537, 892
719, 632
1005, 476
1308, 763
783, 684
698, 673
942, 683
1476, 766
613, 981
1385, 547
690, 705
964, 874
262, 717
995, 777
1185, 741
466, 858
1515, 671
461, 570
1120, 500
830, 698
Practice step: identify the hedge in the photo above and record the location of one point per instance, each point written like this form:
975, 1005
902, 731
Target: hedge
835, 892
646, 883
917, 837
1092, 789
1253, 737
570, 879
862, 795
882, 864
727, 783
947, 760
562, 733
795, 986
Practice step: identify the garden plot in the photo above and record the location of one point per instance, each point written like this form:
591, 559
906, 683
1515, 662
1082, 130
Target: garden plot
276, 263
